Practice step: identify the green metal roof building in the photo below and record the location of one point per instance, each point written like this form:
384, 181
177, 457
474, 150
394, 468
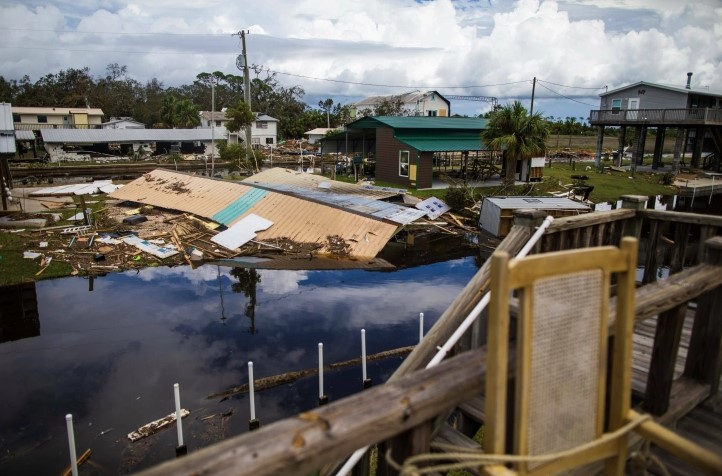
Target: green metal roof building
404, 147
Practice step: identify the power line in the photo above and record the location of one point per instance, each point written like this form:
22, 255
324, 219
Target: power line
122, 33
392, 85
566, 86
567, 97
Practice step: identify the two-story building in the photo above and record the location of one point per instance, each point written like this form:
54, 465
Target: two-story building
414, 103
37, 118
264, 130
695, 113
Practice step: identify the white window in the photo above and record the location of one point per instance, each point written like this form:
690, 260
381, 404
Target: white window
261, 124
403, 163
269, 140
616, 106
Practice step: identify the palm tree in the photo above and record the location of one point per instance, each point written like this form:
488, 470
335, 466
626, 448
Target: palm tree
167, 111
187, 114
519, 134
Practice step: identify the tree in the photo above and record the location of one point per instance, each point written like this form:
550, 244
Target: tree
240, 117
326, 107
519, 134
167, 111
186, 114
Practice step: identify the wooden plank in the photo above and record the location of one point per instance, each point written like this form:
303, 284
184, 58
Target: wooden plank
300, 445
682, 217
588, 219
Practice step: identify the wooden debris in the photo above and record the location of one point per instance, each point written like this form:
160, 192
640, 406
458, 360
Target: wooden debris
83, 458
156, 426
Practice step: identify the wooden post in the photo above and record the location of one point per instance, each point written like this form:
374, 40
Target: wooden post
633, 227
411, 442
704, 357
667, 337
530, 219
650, 265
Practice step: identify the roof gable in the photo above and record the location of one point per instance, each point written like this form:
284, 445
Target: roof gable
662, 86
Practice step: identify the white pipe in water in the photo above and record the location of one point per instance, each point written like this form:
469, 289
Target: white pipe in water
71, 444
251, 393
421, 326
320, 370
178, 415
363, 353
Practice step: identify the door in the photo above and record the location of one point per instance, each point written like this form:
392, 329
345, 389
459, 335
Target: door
632, 106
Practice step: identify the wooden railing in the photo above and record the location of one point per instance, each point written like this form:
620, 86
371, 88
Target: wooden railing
679, 117
403, 415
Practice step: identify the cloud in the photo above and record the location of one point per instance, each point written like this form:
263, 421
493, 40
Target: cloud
435, 44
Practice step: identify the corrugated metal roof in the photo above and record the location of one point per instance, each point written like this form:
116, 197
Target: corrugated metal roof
293, 218
7, 129
544, 203
49, 111
360, 202
24, 135
269, 177
416, 122
91, 136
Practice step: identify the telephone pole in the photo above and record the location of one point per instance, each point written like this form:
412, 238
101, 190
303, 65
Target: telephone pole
243, 58
533, 88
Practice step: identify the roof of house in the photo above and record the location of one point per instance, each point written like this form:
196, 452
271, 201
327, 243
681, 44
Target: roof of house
424, 142
319, 131
91, 136
405, 98
116, 120
683, 90
50, 111
421, 122
265, 117
543, 203
24, 135
214, 116
7, 129
226, 202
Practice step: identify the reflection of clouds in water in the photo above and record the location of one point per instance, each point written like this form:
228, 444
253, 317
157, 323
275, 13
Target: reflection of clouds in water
281, 282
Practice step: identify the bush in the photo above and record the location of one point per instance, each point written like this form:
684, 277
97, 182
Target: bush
668, 178
457, 198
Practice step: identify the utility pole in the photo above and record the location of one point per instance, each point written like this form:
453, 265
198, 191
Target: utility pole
533, 88
213, 125
246, 88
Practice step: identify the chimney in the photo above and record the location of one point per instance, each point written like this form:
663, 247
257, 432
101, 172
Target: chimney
689, 81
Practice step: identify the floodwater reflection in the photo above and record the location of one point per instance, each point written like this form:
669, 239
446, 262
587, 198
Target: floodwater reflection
110, 352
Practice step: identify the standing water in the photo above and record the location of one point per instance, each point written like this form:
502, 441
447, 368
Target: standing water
109, 350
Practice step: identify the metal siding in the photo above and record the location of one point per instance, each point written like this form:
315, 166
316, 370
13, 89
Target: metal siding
294, 218
239, 206
6, 117
129, 135
387, 157
278, 176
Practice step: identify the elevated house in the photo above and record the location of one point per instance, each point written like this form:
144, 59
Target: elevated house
695, 113
405, 149
264, 130
414, 103
37, 118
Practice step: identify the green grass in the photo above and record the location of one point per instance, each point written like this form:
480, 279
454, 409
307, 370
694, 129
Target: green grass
16, 269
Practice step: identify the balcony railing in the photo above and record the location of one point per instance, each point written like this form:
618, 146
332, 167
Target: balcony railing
678, 117
29, 126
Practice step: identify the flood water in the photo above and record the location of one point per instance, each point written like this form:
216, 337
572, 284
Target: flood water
111, 355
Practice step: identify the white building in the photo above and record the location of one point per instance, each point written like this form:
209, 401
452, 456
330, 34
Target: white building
414, 103
314, 135
122, 123
264, 130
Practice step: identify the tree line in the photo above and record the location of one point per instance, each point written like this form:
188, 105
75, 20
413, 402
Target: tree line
158, 106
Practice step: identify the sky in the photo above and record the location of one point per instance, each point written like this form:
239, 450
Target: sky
350, 49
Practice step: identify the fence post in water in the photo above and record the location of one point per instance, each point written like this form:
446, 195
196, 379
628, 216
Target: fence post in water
421, 326
322, 398
254, 423
71, 444
181, 449
366, 381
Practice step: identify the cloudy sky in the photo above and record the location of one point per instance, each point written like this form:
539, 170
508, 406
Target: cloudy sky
348, 49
